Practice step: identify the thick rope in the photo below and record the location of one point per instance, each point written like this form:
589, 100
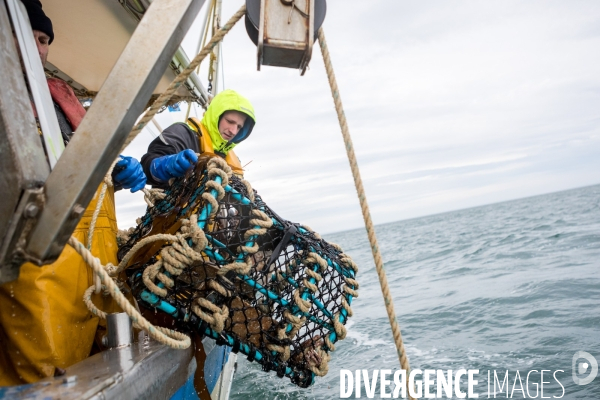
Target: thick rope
389, 305
182, 77
323, 368
153, 195
107, 182
150, 239
171, 338
123, 235
219, 315
176, 257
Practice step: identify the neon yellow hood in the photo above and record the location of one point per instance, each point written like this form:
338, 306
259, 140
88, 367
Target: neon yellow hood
227, 100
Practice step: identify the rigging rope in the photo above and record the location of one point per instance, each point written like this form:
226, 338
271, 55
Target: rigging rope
182, 77
389, 304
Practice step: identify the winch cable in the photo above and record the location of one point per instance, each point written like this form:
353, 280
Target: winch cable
201, 44
362, 197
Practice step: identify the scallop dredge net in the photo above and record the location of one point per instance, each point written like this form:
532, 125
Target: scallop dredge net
233, 270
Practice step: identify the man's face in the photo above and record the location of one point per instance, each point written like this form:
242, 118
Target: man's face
231, 123
42, 42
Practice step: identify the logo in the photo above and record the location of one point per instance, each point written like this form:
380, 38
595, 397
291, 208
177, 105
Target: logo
583, 367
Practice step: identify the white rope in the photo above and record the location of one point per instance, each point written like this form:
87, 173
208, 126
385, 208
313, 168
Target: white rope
171, 338
107, 182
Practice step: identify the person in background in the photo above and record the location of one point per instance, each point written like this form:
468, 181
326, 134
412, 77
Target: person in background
128, 173
228, 121
44, 324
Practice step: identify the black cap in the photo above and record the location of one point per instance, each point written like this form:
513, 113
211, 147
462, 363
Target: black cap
38, 19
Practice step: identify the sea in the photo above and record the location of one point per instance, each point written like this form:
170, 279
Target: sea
511, 290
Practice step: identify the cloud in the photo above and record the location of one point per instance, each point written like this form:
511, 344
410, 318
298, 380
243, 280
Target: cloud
451, 104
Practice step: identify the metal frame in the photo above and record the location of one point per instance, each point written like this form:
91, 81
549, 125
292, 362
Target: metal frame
261, 36
101, 134
310, 38
23, 165
193, 84
279, 52
36, 77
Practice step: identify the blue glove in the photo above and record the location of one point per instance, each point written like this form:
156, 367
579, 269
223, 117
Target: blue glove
173, 166
129, 174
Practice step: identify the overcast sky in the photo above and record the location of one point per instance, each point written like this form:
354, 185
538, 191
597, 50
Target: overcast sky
451, 104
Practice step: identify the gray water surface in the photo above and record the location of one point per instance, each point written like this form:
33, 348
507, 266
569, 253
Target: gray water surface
511, 286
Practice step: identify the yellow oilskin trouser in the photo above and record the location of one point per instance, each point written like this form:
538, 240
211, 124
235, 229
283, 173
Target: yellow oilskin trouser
44, 323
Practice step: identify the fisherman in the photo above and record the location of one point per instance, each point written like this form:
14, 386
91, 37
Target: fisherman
44, 324
228, 121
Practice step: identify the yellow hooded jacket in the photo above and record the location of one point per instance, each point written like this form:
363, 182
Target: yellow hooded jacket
211, 142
